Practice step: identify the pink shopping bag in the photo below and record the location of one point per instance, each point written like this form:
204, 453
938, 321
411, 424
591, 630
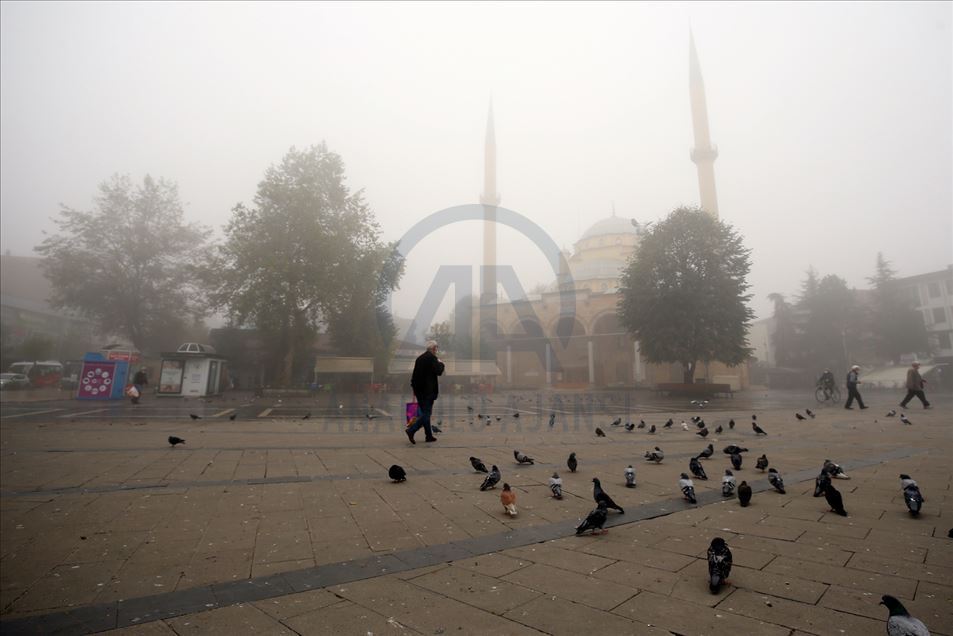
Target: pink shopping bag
412, 412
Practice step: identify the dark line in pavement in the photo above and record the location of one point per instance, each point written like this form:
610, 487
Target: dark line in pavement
136, 611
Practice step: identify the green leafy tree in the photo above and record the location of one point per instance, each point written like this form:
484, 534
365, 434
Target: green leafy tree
784, 335
35, 348
127, 264
306, 254
683, 294
833, 325
442, 334
896, 324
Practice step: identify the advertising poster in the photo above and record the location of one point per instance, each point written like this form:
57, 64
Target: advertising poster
170, 377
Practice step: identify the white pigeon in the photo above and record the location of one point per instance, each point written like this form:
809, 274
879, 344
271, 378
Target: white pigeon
728, 484
629, 477
900, 623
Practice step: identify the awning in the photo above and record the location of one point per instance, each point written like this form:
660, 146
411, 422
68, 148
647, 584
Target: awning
453, 367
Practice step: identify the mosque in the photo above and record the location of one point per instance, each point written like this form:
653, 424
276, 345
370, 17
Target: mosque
529, 337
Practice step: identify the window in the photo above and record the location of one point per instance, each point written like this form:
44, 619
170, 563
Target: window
939, 315
945, 340
949, 287
934, 289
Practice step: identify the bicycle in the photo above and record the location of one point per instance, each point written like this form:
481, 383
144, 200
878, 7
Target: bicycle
827, 394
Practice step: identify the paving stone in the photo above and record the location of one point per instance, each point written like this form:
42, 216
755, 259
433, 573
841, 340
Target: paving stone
897, 550
564, 559
789, 587
487, 593
155, 628
802, 551
809, 618
493, 564
882, 563
856, 579
667, 613
346, 618
237, 619
587, 590
639, 576
647, 556
68, 586
555, 615
290, 605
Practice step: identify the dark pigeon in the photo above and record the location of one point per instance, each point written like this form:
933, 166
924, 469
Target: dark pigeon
731, 424
669, 423
719, 564
629, 426
834, 500
799, 417
688, 488
307, 416
572, 463
744, 494
899, 622
911, 494
731, 448
891, 413
492, 479
736, 461
821, 482
552, 419
905, 420
696, 467
600, 432
835, 470
641, 424
652, 430
810, 413
595, 520
708, 452
655, 455
762, 463
703, 433
397, 473
602, 496
478, 465
617, 421
233, 416
194, 416
175, 440
757, 429
728, 484
719, 429
774, 477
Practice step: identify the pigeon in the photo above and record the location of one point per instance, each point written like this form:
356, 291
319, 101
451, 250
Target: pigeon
498, 417
774, 477
799, 417
617, 421
669, 423
834, 500
684, 426
629, 426
488, 420
905, 420
516, 415
688, 488
700, 423
600, 432
469, 409
821, 482
478, 465
641, 424
891, 413
696, 418
762, 463
736, 461
194, 416
556, 485
744, 494
602, 496
708, 452
652, 430
233, 416
810, 413
728, 484
899, 622
492, 479
508, 499
369, 416
719, 429
835, 470
307, 416
173, 440
522, 459
436, 428
595, 520
397, 473
911, 494
757, 429
630, 477
702, 433
572, 463
655, 455
731, 424
552, 419
719, 564
731, 449
696, 467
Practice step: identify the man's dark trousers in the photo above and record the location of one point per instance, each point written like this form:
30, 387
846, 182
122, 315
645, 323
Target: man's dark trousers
424, 409
853, 393
910, 395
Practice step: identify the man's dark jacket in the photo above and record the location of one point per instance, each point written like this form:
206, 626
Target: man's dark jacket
424, 380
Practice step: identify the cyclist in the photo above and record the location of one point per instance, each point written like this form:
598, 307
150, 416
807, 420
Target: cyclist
826, 382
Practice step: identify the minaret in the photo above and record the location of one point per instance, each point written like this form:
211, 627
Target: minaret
703, 154
489, 199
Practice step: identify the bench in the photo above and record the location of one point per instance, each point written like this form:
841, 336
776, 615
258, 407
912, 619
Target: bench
694, 390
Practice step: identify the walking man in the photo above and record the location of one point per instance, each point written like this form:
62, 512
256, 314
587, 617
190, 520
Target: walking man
852, 392
423, 382
915, 384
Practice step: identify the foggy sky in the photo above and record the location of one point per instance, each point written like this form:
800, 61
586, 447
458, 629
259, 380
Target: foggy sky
833, 121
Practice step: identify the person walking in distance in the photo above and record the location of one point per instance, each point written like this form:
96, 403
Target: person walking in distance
915, 384
852, 392
140, 380
423, 382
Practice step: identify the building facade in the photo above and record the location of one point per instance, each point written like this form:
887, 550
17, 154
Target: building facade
932, 295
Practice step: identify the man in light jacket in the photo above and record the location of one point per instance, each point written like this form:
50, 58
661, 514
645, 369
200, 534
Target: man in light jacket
852, 392
915, 384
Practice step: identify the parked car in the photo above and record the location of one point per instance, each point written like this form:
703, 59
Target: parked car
14, 381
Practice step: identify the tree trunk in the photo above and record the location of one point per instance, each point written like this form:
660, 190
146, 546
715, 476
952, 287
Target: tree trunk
688, 376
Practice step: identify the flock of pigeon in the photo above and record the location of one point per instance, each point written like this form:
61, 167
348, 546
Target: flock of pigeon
899, 623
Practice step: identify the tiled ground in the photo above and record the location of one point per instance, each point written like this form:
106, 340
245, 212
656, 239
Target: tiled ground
98, 512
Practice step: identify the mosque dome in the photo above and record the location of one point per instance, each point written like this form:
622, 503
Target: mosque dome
610, 225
